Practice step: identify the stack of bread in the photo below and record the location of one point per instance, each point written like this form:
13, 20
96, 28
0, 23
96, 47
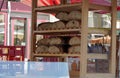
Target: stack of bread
67, 21
75, 45
50, 45
41, 48
73, 15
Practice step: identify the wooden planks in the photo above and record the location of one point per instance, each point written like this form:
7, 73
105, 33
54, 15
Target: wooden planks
33, 23
84, 34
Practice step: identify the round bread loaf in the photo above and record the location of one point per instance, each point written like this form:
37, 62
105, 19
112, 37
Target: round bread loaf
59, 25
54, 49
43, 42
74, 49
74, 15
41, 48
73, 24
55, 41
62, 16
74, 41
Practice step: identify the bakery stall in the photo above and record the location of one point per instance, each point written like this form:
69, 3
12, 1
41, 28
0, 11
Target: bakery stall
67, 40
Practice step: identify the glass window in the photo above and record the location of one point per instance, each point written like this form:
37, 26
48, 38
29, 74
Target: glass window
19, 31
99, 43
2, 29
98, 66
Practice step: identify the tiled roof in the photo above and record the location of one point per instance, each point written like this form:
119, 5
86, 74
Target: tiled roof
16, 6
20, 6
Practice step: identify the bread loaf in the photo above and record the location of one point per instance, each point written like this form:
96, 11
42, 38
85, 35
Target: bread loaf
62, 16
41, 48
55, 41
43, 42
54, 49
45, 26
73, 24
59, 25
74, 15
74, 41
73, 49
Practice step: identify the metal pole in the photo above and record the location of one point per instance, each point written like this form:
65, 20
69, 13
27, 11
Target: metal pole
8, 27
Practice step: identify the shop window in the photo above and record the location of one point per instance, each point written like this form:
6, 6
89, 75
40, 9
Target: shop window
18, 27
19, 36
106, 21
99, 20
2, 24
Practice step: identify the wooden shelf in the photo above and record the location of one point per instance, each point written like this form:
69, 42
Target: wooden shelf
70, 7
74, 31
60, 54
62, 31
100, 75
97, 56
84, 7
99, 30
59, 8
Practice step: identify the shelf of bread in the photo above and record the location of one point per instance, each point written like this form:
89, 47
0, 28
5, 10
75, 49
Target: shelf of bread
98, 56
70, 7
58, 46
56, 54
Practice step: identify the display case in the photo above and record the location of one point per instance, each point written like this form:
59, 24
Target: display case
72, 38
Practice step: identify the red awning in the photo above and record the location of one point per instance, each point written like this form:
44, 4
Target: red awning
42, 2
55, 2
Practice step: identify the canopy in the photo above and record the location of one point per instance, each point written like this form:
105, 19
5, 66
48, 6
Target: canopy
52, 2
55, 2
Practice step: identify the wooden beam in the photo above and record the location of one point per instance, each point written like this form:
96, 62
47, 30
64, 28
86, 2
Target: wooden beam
105, 31
100, 7
59, 8
56, 54
100, 75
84, 34
113, 36
33, 28
98, 56
63, 1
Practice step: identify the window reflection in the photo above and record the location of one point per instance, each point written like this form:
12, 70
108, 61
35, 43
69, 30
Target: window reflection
19, 32
2, 29
98, 66
99, 43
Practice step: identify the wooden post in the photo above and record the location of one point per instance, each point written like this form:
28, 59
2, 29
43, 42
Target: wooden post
34, 22
84, 34
63, 1
113, 36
